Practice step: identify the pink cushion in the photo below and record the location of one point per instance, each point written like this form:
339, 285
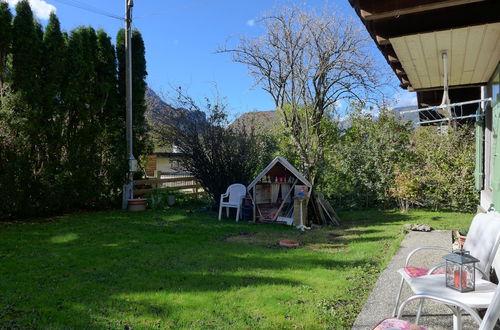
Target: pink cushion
397, 324
415, 272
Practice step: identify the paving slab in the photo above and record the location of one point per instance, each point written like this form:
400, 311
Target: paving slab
381, 301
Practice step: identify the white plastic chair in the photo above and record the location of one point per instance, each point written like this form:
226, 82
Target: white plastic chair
235, 194
488, 292
482, 241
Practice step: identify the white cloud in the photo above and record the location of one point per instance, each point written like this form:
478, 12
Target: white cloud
251, 22
40, 8
405, 99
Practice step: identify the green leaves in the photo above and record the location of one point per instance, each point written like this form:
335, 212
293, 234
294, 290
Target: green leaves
62, 136
383, 162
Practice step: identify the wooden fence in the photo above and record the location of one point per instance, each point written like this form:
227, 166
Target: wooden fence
185, 183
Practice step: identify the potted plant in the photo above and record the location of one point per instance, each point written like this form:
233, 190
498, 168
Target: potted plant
171, 200
137, 204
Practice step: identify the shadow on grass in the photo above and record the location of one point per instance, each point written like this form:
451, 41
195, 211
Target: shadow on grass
82, 265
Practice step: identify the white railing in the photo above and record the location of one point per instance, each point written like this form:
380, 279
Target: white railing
456, 111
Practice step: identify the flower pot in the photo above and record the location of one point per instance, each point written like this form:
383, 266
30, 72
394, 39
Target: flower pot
137, 204
289, 243
170, 200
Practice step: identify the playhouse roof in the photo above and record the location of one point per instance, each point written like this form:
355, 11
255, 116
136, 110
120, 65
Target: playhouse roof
287, 165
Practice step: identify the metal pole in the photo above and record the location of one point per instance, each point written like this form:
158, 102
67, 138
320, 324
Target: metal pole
128, 86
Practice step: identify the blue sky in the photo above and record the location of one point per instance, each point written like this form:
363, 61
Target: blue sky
181, 37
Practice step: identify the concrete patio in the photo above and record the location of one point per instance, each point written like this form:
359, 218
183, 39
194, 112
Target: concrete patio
380, 303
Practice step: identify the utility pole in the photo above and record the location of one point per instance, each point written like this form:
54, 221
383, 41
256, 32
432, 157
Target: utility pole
128, 193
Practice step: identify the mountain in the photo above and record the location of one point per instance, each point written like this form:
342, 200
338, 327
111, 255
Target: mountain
158, 111
260, 121
155, 105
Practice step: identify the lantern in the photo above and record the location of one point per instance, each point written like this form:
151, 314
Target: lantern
460, 271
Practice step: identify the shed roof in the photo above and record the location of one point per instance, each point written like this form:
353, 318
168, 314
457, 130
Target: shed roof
287, 165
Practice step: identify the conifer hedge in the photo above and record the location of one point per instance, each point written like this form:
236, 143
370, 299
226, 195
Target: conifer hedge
62, 115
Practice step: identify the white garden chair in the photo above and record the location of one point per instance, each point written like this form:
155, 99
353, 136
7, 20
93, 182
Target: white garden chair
482, 241
234, 195
487, 292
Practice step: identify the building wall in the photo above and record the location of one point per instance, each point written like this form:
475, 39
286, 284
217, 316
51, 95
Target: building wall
491, 90
163, 164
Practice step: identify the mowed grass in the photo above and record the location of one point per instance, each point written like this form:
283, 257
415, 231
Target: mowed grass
172, 269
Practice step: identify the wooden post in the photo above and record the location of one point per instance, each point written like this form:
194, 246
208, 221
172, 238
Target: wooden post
254, 202
158, 176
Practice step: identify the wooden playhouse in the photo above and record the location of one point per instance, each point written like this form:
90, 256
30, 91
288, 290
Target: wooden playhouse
273, 193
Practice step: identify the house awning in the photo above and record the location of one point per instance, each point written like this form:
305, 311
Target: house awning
411, 34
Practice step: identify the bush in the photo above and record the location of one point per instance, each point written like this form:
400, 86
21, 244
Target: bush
406, 188
445, 163
158, 199
362, 166
385, 162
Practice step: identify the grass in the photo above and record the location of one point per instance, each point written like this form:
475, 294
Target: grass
171, 269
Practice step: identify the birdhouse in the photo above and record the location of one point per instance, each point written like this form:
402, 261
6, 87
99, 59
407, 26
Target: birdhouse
460, 271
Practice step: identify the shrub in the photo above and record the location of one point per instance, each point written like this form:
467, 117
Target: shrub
385, 162
364, 160
405, 188
446, 167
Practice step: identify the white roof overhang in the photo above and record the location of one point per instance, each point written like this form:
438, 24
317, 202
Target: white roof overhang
473, 54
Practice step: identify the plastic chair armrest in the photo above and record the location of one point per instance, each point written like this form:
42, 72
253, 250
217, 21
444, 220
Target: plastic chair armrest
431, 270
445, 301
485, 276
424, 248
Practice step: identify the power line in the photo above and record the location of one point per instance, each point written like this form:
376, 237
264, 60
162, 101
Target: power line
84, 6
193, 5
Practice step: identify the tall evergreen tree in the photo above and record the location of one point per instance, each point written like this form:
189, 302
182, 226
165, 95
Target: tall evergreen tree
54, 69
62, 126
52, 111
5, 41
114, 162
139, 74
82, 108
25, 52
24, 115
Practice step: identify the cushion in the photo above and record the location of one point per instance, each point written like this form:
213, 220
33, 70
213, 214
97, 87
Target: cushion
396, 324
415, 272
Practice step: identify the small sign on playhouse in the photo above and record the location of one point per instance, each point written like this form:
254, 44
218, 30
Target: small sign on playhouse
460, 271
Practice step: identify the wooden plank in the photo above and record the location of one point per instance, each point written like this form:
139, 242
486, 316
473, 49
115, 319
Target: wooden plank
415, 9
382, 41
417, 57
488, 45
284, 200
189, 186
328, 207
456, 55
140, 192
431, 54
392, 59
158, 181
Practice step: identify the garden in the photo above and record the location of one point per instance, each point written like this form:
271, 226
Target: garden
181, 268
70, 259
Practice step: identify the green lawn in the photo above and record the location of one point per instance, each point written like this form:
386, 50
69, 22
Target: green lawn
172, 269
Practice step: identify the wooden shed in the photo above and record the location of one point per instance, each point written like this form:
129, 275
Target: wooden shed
272, 193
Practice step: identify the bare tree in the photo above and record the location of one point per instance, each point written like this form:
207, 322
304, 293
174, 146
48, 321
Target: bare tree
308, 61
216, 153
